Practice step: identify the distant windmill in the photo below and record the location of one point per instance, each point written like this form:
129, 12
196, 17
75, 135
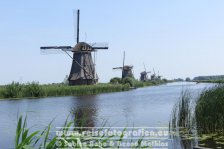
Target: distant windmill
144, 75
126, 69
153, 76
83, 67
159, 76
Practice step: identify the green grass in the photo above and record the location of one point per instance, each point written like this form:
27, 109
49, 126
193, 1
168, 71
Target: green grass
16, 90
25, 138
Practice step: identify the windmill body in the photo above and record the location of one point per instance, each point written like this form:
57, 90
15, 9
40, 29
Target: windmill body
144, 76
126, 71
83, 67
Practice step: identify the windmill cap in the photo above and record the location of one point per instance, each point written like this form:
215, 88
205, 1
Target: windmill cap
82, 46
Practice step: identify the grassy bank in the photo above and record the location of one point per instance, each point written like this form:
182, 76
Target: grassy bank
34, 89
16, 90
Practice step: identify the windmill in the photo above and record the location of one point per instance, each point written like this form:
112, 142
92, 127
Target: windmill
83, 67
144, 75
153, 76
159, 76
126, 69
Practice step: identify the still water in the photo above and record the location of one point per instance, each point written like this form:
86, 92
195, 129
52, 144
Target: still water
143, 107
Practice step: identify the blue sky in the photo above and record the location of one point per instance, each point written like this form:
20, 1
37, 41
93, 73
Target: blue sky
178, 38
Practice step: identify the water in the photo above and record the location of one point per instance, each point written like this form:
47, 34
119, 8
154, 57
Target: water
143, 107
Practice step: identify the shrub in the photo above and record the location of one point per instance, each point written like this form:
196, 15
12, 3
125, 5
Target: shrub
115, 80
128, 80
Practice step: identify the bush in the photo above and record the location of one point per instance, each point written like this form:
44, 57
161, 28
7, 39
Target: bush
115, 80
128, 80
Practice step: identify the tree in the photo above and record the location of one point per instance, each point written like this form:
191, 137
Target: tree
188, 79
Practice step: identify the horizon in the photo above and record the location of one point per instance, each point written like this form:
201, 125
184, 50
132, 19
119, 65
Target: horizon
178, 39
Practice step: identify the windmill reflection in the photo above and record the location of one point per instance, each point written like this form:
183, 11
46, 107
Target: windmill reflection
84, 112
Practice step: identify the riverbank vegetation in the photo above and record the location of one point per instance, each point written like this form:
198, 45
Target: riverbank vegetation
210, 81
69, 136
207, 78
136, 83
203, 116
210, 110
34, 89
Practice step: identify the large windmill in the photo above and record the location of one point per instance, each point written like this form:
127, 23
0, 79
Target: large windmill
83, 67
126, 69
144, 74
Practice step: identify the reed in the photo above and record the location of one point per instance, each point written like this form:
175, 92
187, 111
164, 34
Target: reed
210, 109
182, 122
34, 89
202, 119
26, 138
2, 90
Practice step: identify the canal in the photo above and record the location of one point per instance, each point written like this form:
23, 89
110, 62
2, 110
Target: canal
143, 107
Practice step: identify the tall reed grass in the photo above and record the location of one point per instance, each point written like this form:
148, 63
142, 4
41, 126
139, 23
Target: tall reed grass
202, 119
25, 138
34, 89
182, 123
210, 110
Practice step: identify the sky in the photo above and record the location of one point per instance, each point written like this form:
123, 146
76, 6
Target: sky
177, 38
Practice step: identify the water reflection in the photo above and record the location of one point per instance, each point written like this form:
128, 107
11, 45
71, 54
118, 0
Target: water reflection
84, 111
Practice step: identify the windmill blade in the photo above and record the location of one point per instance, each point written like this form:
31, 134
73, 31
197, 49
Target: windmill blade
154, 71
123, 65
76, 17
99, 45
54, 49
144, 66
118, 68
